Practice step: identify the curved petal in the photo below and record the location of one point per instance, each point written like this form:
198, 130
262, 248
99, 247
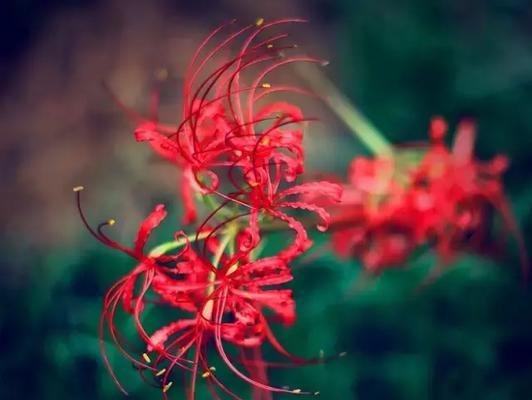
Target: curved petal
166, 148
324, 215
148, 225
264, 272
160, 337
464, 142
278, 300
250, 237
189, 207
322, 188
301, 242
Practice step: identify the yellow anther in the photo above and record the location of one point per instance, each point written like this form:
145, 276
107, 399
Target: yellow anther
146, 357
266, 85
296, 391
265, 141
78, 188
259, 21
111, 222
167, 386
232, 269
206, 374
162, 371
270, 46
207, 309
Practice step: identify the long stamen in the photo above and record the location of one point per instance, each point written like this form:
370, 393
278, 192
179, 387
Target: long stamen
188, 82
223, 354
260, 28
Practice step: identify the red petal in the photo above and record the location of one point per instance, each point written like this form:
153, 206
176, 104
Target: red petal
128, 288
279, 300
301, 242
323, 188
160, 337
324, 215
464, 142
150, 223
264, 272
250, 237
166, 148
189, 207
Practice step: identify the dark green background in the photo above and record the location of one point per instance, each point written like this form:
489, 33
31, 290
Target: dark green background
467, 336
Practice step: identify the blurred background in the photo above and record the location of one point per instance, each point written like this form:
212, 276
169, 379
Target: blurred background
467, 336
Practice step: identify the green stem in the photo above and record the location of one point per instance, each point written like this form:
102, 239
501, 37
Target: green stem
359, 125
174, 244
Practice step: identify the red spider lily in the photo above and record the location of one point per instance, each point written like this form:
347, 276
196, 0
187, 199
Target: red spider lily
230, 311
393, 206
221, 114
225, 299
464, 191
123, 291
374, 219
228, 125
224, 304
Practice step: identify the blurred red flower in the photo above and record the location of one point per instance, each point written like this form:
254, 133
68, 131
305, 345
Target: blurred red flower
427, 194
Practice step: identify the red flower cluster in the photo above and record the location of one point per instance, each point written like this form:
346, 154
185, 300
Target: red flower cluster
240, 154
425, 195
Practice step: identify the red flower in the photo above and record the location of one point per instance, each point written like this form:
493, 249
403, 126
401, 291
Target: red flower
395, 205
123, 291
227, 126
374, 220
224, 303
240, 295
231, 292
465, 190
221, 115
